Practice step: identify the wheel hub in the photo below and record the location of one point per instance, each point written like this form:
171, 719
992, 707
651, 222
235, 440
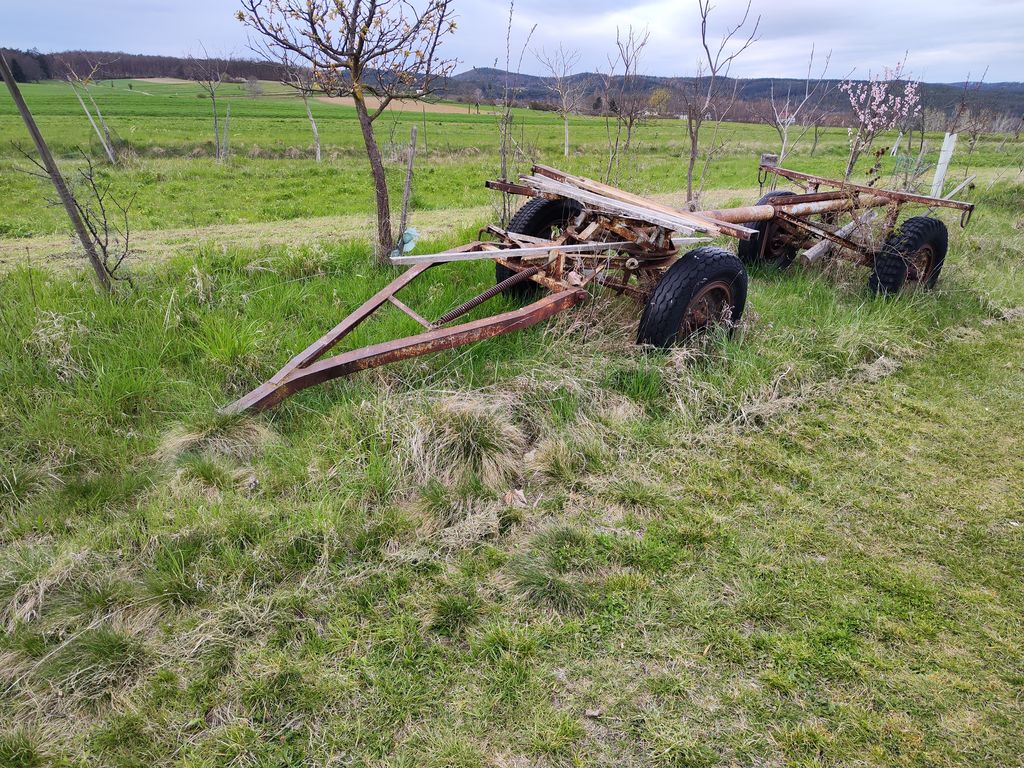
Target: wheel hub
920, 264
709, 305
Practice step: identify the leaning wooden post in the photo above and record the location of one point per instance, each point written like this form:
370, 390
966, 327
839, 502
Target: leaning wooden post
407, 190
945, 154
55, 176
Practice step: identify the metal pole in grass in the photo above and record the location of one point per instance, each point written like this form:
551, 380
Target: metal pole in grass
59, 183
408, 188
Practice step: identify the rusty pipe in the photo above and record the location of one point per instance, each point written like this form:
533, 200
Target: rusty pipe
754, 213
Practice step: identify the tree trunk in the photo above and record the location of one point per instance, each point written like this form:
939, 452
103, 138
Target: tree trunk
565, 121
312, 125
692, 161
385, 239
227, 127
814, 146
216, 127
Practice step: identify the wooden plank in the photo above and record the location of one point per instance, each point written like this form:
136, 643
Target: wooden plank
608, 205
945, 155
697, 220
615, 193
671, 221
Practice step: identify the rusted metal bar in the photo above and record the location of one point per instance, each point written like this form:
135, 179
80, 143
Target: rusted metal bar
540, 278
319, 347
906, 197
508, 186
814, 229
271, 393
410, 311
812, 197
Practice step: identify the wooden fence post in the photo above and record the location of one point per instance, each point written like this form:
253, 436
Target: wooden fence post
406, 192
59, 183
945, 155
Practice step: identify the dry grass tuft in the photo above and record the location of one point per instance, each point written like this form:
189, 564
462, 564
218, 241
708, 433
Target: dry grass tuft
26, 603
238, 439
875, 371
465, 436
52, 341
481, 524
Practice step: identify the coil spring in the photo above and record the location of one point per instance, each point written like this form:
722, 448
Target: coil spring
490, 293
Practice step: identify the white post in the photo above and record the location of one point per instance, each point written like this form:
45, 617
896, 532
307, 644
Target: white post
945, 154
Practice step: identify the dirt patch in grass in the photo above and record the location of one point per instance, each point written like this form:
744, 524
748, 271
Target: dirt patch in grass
154, 246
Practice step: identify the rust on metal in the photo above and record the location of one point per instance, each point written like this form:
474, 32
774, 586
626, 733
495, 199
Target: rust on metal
818, 230
620, 241
273, 392
906, 197
508, 186
490, 293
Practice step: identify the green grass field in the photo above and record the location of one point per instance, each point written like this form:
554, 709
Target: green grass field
799, 545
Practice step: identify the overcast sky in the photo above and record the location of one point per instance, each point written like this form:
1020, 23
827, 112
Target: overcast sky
946, 40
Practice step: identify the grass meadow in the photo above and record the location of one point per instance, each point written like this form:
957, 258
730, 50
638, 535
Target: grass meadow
799, 545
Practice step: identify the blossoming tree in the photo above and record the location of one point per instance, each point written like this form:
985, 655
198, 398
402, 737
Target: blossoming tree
884, 101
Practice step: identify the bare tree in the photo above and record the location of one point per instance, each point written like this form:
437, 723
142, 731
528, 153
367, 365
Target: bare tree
561, 65
106, 218
299, 78
210, 75
969, 118
623, 99
793, 109
511, 90
253, 88
378, 49
76, 81
710, 95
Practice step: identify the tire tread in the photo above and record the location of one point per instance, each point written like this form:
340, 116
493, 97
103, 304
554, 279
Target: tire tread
659, 323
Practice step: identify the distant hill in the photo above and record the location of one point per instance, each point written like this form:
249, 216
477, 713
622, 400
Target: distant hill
753, 94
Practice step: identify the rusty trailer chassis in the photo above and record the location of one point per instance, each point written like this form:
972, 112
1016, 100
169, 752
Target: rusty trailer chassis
612, 239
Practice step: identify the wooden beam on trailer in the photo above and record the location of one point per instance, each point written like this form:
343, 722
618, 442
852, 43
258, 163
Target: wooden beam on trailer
671, 221
696, 220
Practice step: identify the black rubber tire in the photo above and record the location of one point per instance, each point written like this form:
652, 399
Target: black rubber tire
537, 218
892, 262
749, 250
662, 319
